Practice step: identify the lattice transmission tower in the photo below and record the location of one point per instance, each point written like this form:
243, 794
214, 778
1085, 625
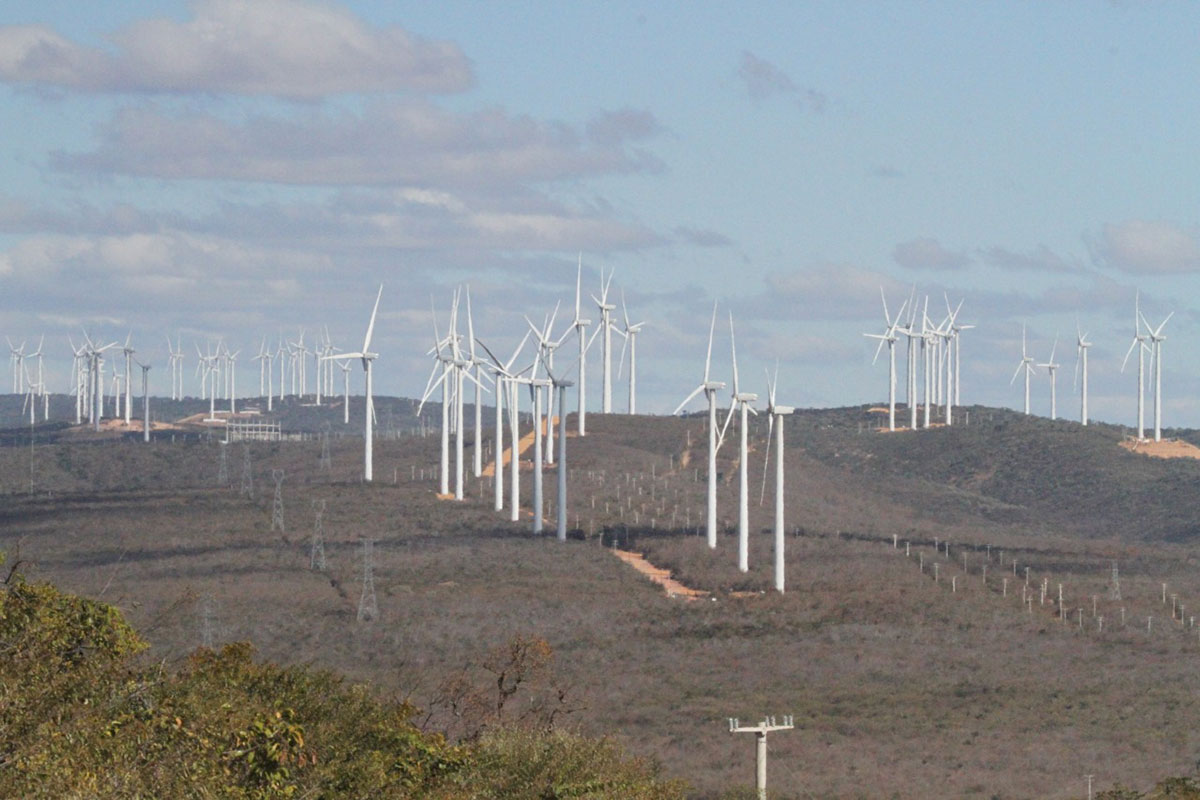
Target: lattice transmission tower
325, 463
1114, 584
368, 608
247, 489
316, 556
223, 468
277, 506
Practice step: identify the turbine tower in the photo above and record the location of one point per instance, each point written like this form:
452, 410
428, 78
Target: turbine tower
741, 402
1052, 368
777, 411
1026, 364
1081, 346
710, 388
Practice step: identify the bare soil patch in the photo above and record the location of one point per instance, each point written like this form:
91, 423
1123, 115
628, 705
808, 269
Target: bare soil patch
1168, 448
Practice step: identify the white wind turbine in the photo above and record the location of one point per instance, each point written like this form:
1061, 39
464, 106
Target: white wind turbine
1139, 341
710, 388
128, 351
889, 337
579, 325
605, 329
1026, 365
476, 363
547, 344
1081, 358
462, 373
345, 366
741, 402
441, 350
630, 333
367, 358
912, 335
776, 411
1156, 340
503, 375
948, 332
956, 330
262, 358
1051, 367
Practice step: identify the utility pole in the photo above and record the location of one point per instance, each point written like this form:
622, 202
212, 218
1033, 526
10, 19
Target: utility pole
760, 732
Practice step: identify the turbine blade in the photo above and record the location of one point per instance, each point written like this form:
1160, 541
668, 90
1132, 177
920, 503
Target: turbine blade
762, 495
712, 326
688, 399
366, 348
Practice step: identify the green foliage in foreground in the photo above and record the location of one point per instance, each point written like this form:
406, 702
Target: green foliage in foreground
82, 717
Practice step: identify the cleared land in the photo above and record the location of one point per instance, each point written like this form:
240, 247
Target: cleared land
900, 685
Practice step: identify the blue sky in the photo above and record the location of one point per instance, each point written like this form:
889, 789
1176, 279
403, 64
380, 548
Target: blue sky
237, 168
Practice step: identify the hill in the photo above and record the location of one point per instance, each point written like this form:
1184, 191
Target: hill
900, 685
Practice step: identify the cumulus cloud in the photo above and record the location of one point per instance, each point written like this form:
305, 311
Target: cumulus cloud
928, 253
762, 80
702, 237
1041, 259
288, 48
402, 142
1147, 247
831, 291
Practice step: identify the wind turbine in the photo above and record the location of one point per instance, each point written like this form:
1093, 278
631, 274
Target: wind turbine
546, 347
1026, 365
476, 363
1081, 346
128, 351
956, 343
606, 326
888, 336
145, 400
777, 411
710, 388
579, 325
443, 361
502, 373
367, 359
630, 333
946, 333
910, 375
741, 402
1156, 340
1052, 368
1139, 341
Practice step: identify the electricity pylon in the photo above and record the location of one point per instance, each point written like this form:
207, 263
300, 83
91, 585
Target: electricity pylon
247, 489
223, 469
316, 557
368, 609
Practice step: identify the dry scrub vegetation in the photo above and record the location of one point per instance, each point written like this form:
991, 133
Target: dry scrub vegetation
899, 686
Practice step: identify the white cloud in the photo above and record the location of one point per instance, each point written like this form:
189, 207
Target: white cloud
762, 79
1041, 259
289, 48
928, 253
1149, 247
403, 142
